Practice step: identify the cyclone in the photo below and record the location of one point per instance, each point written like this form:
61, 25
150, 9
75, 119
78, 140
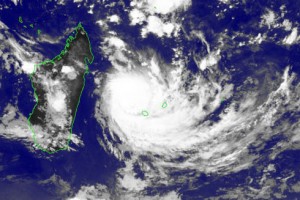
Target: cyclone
183, 120
164, 129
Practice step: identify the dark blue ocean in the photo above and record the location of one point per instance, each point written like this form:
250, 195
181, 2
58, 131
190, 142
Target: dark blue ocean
90, 164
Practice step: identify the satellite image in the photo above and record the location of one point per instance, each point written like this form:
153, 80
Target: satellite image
149, 99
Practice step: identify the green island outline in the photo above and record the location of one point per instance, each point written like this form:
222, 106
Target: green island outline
164, 105
145, 113
57, 58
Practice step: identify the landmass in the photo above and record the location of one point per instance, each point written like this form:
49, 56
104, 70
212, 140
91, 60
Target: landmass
58, 84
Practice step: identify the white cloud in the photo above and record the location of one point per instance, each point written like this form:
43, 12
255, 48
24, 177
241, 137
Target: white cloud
158, 27
67, 69
13, 128
128, 93
93, 192
131, 183
269, 18
15, 2
114, 18
115, 42
57, 100
225, 1
2, 26
144, 82
166, 6
16, 128
91, 9
210, 60
292, 38
201, 36
136, 17
101, 192
28, 67
147, 12
287, 25
15, 55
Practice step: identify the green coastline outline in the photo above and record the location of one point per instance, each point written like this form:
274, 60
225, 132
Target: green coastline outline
164, 105
145, 113
57, 58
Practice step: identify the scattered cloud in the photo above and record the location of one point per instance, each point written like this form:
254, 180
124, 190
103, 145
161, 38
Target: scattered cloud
292, 38
114, 19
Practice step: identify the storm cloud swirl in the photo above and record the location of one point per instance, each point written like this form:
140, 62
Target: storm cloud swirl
162, 118
197, 122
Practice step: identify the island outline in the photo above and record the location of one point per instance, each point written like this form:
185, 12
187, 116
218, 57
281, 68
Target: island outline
87, 62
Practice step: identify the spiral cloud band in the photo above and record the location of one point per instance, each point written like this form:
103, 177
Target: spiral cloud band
165, 110
166, 119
